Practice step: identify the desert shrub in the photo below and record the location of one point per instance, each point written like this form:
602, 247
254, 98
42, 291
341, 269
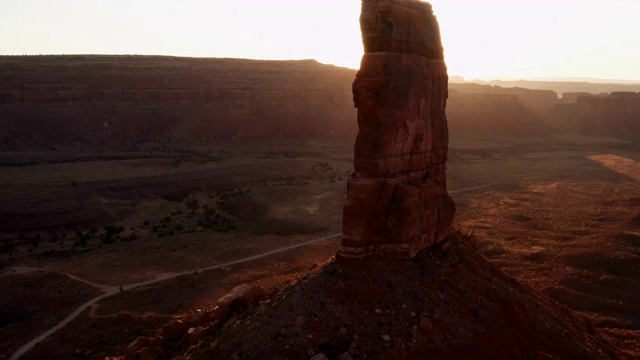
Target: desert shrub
166, 233
113, 230
220, 223
320, 166
191, 204
7, 247
129, 238
110, 232
35, 241
243, 207
175, 196
81, 242
107, 240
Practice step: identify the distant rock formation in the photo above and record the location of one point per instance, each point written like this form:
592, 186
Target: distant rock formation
130, 99
46, 101
538, 101
617, 114
592, 86
397, 200
488, 113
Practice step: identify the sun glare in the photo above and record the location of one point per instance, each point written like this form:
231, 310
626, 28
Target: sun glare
488, 39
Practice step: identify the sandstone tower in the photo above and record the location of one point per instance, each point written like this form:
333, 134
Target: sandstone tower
397, 201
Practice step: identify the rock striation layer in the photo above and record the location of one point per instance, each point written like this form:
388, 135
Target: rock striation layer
397, 201
120, 99
616, 114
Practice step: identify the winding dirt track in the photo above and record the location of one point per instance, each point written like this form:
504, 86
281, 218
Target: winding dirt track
109, 290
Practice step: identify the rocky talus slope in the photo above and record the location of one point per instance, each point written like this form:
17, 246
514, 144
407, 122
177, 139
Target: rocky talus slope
447, 303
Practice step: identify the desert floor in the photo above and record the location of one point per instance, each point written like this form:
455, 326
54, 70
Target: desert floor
561, 215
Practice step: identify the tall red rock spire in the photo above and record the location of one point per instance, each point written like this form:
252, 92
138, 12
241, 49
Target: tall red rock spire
397, 201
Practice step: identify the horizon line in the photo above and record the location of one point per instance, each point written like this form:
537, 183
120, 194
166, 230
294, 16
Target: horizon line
464, 78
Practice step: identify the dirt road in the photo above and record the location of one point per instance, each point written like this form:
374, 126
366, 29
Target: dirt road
109, 290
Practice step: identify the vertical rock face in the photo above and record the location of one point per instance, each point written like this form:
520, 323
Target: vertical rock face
129, 99
397, 201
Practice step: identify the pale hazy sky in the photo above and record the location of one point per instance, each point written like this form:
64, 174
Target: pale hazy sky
482, 39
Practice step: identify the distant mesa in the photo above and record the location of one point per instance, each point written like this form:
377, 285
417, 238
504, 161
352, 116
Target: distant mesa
104, 99
397, 202
616, 114
122, 101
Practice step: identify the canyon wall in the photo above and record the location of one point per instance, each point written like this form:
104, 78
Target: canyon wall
492, 114
538, 101
140, 98
597, 86
49, 100
475, 109
616, 114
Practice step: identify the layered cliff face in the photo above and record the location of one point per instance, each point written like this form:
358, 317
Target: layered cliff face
48, 100
139, 98
492, 114
617, 114
475, 109
397, 203
538, 101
